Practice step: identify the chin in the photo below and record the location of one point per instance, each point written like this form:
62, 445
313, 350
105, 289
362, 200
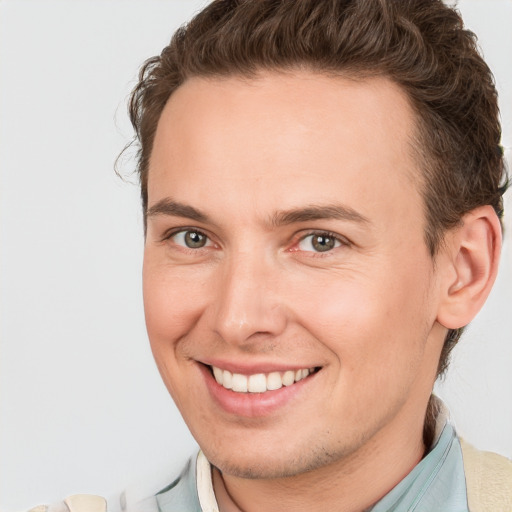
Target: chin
272, 464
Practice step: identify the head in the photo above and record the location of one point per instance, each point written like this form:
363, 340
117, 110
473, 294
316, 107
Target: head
418, 45
412, 56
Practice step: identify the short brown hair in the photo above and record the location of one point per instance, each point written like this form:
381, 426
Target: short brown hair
421, 45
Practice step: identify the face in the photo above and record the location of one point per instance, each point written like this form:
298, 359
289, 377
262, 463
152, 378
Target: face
289, 295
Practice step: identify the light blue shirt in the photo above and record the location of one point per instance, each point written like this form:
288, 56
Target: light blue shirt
436, 484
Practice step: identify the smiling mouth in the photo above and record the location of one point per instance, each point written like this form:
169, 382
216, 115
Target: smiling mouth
259, 382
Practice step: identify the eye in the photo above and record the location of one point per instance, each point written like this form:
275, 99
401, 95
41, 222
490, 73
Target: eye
190, 238
319, 242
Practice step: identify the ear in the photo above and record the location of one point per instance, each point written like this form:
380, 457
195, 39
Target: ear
470, 265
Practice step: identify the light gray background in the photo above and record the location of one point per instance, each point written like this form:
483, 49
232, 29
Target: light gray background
82, 407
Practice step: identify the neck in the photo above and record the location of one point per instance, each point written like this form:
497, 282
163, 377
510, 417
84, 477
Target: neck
352, 484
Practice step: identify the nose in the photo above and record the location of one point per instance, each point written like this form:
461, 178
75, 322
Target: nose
247, 306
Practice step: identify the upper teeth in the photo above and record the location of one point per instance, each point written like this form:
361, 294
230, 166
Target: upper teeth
259, 382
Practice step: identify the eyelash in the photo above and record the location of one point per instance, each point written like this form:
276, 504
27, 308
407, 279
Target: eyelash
176, 231
339, 240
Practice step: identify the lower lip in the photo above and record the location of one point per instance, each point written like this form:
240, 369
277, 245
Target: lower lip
252, 405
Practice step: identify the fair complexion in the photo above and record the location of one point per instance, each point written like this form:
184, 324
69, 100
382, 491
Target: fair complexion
285, 248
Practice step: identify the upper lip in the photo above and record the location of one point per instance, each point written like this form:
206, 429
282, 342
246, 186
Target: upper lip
245, 368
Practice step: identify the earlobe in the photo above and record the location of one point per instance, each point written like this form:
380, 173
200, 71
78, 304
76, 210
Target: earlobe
471, 260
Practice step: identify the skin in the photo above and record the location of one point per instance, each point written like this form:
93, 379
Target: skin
365, 313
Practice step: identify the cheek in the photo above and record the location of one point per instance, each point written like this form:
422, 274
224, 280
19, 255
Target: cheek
172, 307
172, 303
369, 318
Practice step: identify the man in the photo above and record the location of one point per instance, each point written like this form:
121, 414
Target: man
322, 188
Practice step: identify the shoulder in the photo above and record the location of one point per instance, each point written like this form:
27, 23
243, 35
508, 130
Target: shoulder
488, 480
76, 503
146, 496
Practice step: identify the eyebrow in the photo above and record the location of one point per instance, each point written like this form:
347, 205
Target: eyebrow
320, 212
167, 206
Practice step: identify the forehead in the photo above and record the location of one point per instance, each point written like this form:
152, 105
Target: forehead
287, 138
